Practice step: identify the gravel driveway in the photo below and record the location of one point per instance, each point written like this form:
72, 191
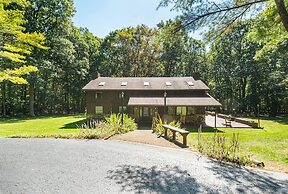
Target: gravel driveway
98, 166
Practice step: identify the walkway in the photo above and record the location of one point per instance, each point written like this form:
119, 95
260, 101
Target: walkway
146, 137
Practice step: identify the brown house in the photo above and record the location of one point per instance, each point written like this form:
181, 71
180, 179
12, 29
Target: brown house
174, 98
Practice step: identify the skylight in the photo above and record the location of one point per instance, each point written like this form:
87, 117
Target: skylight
102, 83
146, 83
190, 83
168, 84
124, 84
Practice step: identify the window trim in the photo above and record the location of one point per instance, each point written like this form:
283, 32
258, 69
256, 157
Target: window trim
98, 96
120, 109
97, 106
171, 107
193, 112
182, 108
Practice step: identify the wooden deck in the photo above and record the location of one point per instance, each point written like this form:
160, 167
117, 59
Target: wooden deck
210, 122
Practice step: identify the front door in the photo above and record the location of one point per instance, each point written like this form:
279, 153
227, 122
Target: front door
145, 114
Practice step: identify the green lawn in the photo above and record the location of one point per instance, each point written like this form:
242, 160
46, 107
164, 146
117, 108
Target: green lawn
41, 126
269, 145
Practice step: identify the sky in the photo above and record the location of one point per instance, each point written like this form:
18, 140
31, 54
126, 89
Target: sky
104, 16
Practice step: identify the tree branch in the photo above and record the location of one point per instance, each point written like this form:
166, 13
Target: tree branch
224, 10
233, 20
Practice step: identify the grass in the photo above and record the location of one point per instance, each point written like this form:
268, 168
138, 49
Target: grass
44, 126
69, 126
269, 145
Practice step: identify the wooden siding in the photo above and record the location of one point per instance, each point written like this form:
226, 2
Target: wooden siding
110, 99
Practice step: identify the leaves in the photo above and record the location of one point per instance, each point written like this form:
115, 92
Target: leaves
16, 43
15, 75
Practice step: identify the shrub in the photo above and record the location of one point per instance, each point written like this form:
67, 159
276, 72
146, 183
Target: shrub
109, 126
220, 147
157, 125
158, 122
115, 122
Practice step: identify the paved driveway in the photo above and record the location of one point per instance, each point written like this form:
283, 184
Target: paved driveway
98, 166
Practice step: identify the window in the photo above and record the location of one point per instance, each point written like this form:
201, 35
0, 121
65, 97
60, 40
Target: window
191, 110
124, 84
168, 84
124, 109
190, 83
135, 111
102, 84
98, 110
120, 95
98, 95
181, 110
171, 110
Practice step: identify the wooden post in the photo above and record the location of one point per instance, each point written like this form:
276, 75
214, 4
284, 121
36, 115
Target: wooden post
122, 96
165, 133
215, 119
184, 139
174, 135
165, 96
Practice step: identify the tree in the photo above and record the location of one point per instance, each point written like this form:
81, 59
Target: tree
15, 45
274, 84
220, 15
172, 48
267, 30
233, 66
15, 42
181, 55
52, 18
131, 52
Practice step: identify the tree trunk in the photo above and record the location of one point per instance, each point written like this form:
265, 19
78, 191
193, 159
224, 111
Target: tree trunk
243, 88
282, 12
9, 104
4, 99
31, 100
24, 99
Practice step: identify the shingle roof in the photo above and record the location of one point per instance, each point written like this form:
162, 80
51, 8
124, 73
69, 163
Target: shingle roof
173, 101
137, 83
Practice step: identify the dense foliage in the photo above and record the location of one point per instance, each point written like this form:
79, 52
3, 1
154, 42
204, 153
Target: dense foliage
245, 64
15, 42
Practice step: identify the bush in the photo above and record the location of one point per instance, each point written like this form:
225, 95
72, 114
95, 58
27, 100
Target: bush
109, 126
220, 147
115, 122
158, 122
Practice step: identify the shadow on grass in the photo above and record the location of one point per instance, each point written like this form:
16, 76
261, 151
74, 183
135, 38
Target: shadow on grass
73, 125
168, 179
278, 119
204, 129
23, 119
245, 180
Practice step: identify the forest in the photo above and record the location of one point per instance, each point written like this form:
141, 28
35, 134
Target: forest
45, 60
